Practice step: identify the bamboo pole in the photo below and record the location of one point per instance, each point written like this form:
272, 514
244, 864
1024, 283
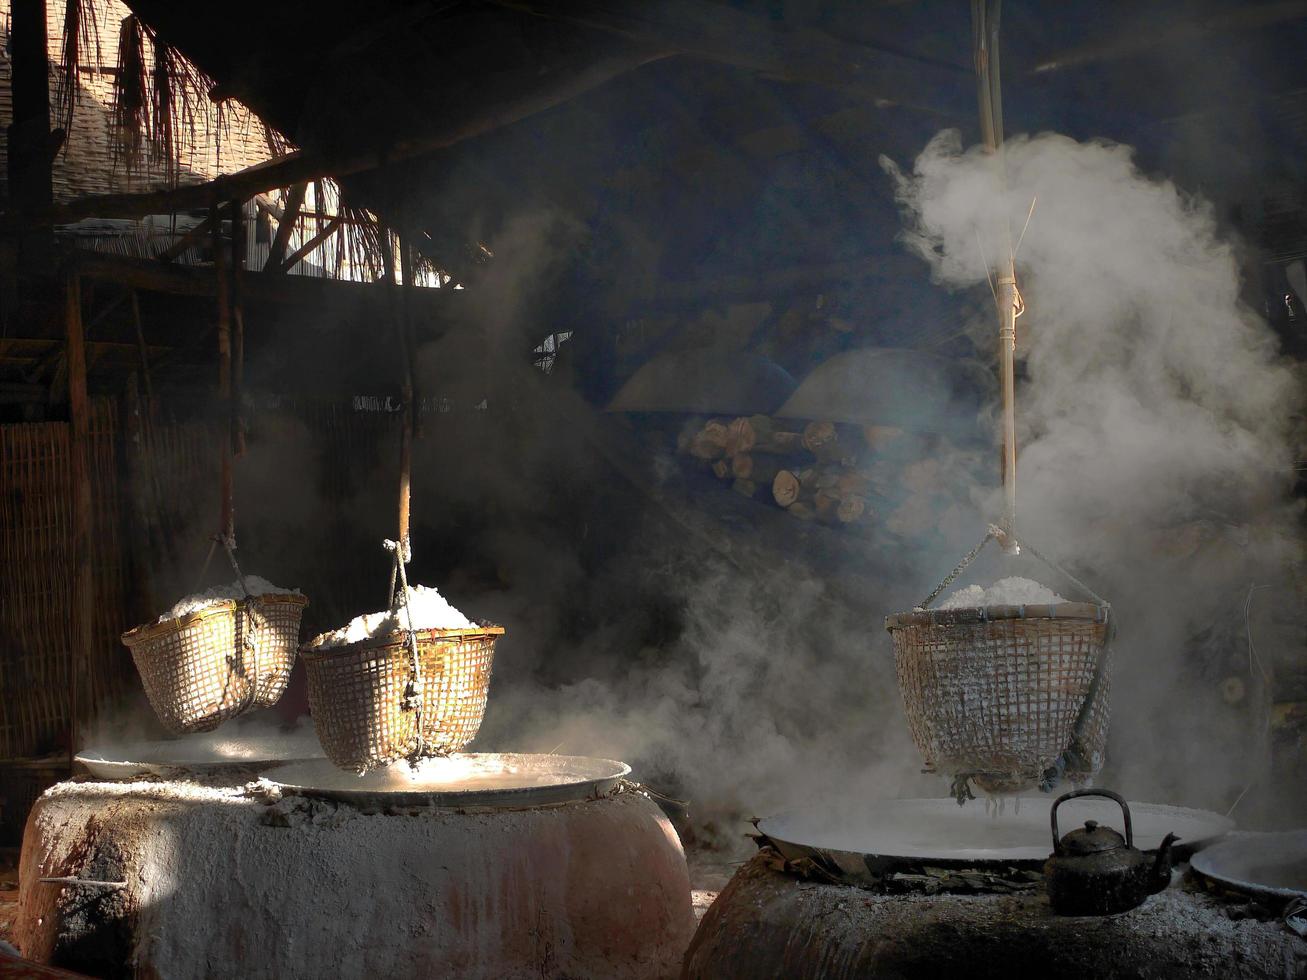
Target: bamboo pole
985, 26
83, 516
238, 326
226, 512
406, 388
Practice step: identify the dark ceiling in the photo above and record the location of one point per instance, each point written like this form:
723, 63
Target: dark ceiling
735, 143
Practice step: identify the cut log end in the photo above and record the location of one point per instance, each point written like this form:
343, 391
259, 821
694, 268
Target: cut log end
785, 488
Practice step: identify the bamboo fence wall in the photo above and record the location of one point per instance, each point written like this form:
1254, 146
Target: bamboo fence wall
36, 600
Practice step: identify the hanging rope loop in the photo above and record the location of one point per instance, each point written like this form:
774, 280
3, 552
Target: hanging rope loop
402, 554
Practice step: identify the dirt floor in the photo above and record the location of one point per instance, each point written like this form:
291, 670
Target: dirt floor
710, 870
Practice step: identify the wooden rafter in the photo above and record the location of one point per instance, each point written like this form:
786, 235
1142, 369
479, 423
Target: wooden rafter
304, 250
286, 224
717, 32
501, 106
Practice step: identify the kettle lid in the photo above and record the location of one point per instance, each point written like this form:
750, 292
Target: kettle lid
1091, 839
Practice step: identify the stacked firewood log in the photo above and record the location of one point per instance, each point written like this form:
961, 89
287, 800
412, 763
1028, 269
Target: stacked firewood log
809, 470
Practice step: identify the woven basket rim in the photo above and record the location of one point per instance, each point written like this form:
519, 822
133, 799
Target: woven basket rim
295, 598
149, 631
1091, 611
394, 638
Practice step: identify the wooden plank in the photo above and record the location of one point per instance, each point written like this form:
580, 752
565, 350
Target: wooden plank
83, 514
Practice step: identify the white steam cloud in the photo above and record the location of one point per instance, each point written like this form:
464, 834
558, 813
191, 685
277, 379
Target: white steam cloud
1155, 424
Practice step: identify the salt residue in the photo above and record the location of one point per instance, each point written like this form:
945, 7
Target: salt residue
429, 609
1012, 591
200, 600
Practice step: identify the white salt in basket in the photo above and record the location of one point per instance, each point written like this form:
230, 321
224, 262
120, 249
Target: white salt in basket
1002, 694
359, 694
219, 661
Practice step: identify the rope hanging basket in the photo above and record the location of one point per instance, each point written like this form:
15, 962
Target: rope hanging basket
200, 669
361, 698
1007, 696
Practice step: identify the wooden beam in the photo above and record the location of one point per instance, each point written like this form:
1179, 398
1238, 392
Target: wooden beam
304, 250
191, 237
258, 287
717, 32
285, 225
508, 103
1125, 42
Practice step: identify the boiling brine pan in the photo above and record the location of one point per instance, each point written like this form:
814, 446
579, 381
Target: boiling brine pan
1271, 866
471, 779
862, 843
210, 753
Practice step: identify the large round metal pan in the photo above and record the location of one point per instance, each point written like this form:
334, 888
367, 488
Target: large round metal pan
208, 753
472, 779
861, 842
1270, 866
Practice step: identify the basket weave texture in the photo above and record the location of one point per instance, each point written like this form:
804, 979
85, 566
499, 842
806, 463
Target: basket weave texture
217, 662
356, 694
276, 639
996, 692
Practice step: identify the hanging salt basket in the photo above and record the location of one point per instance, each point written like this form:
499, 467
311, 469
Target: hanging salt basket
358, 694
202, 668
1006, 696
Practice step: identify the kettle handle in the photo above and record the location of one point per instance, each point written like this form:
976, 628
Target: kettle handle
1106, 793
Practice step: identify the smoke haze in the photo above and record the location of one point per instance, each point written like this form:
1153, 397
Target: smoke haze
1155, 422
1155, 461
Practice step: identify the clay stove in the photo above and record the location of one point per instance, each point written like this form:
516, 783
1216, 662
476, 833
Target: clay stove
847, 892
487, 865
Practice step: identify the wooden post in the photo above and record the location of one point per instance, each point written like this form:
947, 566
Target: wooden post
30, 153
83, 513
226, 512
144, 355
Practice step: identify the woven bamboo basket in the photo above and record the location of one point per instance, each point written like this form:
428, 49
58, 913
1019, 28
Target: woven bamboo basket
276, 632
1001, 693
210, 665
356, 694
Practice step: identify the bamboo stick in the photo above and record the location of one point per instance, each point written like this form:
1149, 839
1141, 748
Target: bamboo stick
226, 512
985, 35
83, 516
238, 327
406, 431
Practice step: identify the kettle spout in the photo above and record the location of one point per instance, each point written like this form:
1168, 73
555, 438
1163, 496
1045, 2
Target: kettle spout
1161, 876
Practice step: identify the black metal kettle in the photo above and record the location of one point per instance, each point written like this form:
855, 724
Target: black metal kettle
1095, 871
